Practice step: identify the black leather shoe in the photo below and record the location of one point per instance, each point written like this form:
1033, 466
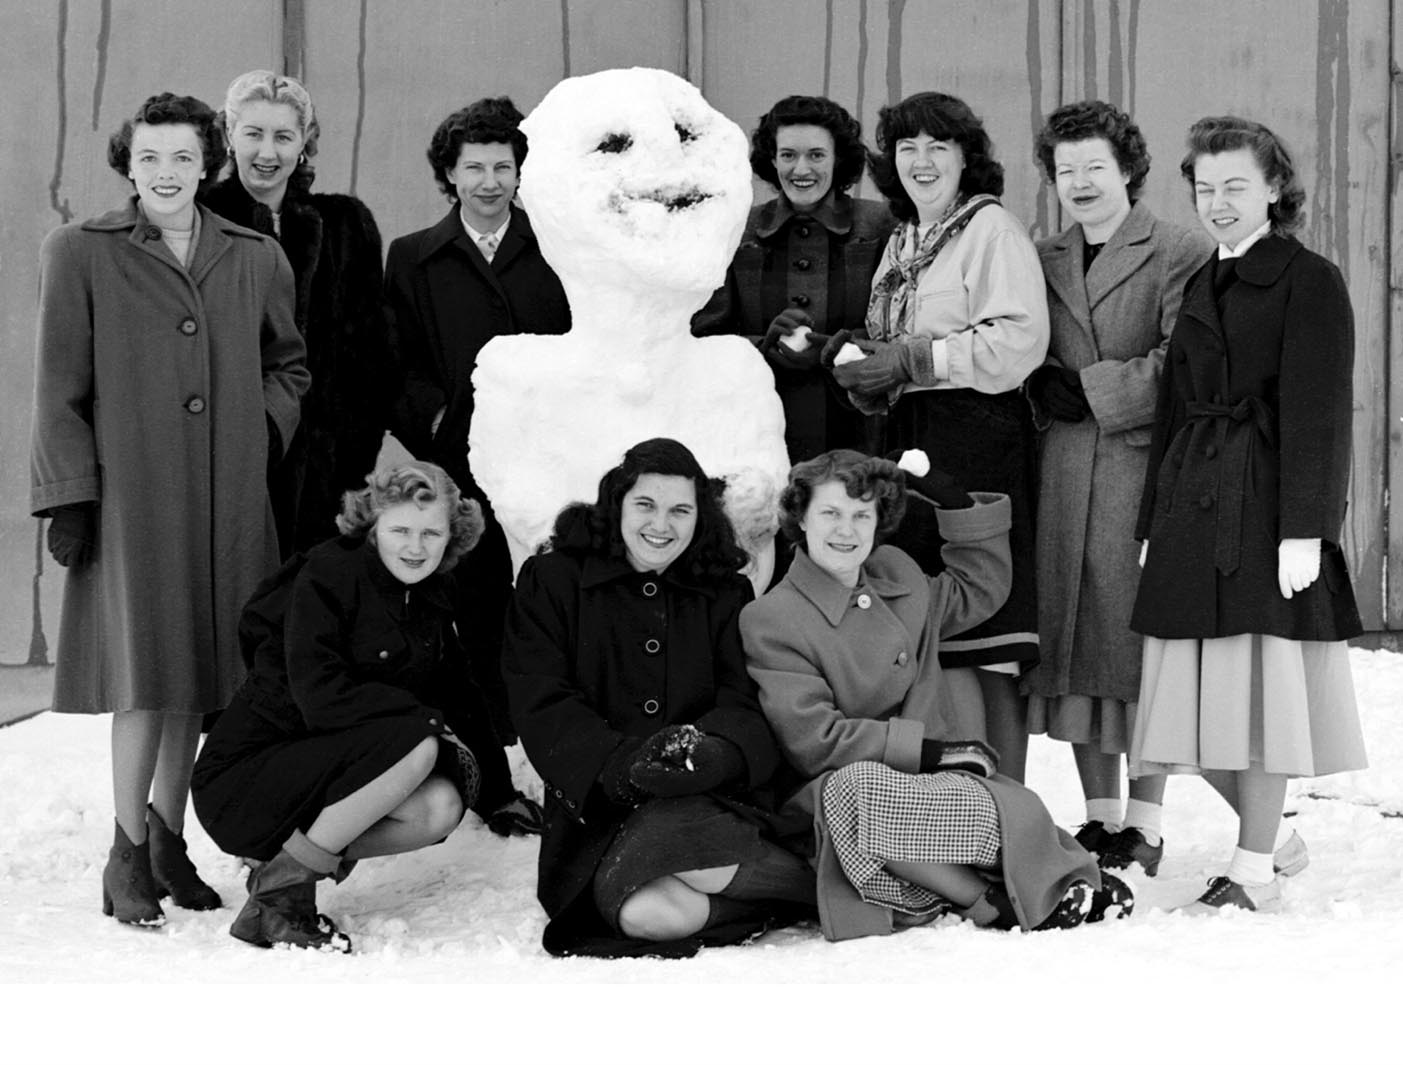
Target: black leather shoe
1131, 846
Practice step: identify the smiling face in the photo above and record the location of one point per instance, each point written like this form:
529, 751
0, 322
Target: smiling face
804, 162
485, 179
167, 166
1232, 195
930, 172
267, 140
412, 539
657, 520
839, 531
1091, 186
634, 181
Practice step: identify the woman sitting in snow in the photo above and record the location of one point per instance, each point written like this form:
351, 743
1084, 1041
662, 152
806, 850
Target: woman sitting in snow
627, 685
343, 742
911, 819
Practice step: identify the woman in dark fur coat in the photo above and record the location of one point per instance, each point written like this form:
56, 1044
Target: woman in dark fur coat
334, 247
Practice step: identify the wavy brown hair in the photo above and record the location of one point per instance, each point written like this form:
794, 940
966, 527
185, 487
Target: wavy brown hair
1227, 133
862, 476
168, 109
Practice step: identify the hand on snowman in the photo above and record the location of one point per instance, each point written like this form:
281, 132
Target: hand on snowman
1297, 565
787, 343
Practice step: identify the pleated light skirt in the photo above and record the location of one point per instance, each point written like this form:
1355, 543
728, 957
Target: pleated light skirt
1285, 706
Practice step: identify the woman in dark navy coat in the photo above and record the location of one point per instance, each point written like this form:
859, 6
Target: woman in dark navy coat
1245, 599
627, 684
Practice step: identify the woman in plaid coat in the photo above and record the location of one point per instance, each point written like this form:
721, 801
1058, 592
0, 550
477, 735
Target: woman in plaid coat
911, 819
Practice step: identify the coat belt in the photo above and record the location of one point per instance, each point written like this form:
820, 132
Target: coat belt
1256, 421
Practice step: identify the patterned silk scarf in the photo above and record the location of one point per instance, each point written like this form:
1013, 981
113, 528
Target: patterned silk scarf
886, 313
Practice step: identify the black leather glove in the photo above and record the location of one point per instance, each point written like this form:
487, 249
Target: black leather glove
973, 756
781, 354
613, 775
1058, 391
682, 760
73, 534
936, 485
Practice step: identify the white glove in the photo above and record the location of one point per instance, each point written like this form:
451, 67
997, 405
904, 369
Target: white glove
1144, 551
1297, 565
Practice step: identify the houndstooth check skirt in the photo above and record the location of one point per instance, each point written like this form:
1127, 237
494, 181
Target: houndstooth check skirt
876, 814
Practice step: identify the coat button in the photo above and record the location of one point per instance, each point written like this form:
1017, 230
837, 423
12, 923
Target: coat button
570, 803
800, 300
650, 589
864, 601
1217, 397
195, 404
901, 659
433, 721
557, 793
803, 264
652, 646
803, 231
152, 232
1211, 451
189, 326
384, 654
1206, 501
651, 706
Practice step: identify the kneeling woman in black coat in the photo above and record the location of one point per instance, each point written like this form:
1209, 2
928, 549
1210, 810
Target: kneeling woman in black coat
627, 685
342, 742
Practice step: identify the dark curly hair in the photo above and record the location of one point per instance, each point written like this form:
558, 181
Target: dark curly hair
594, 528
168, 109
849, 156
491, 120
946, 118
861, 475
422, 483
1227, 133
1090, 119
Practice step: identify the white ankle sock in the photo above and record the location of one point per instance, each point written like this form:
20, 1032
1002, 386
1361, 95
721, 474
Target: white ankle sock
1283, 833
1249, 867
1146, 816
1107, 811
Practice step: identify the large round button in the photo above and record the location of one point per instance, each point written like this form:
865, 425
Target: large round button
902, 658
189, 326
1206, 501
434, 722
1211, 451
803, 264
864, 601
652, 646
651, 706
152, 232
384, 654
803, 231
801, 300
650, 589
195, 404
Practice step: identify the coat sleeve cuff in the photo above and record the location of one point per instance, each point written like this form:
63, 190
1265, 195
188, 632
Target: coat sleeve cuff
44, 499
903, 750
991, 515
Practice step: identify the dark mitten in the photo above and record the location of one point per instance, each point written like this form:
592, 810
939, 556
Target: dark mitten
1058, 391
613, 776
973, 756
936, 485
774, 349
73, 534
833, 345
689, 762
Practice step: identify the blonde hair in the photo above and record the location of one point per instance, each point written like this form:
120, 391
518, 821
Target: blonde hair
276, 89
421, 483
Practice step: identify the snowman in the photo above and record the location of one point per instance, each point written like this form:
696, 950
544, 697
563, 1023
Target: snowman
638, 191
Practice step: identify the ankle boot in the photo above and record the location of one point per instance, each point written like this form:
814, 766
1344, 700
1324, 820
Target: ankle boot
282, 902
128, 891
172, 869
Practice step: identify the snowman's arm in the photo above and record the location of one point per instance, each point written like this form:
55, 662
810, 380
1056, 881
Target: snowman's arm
721, 315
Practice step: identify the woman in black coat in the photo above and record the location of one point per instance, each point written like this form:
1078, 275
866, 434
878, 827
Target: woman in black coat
806, 258
1245, 601
334, 247
343, 743
627, 685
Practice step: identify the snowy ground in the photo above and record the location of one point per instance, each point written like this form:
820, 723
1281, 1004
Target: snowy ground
1315, 982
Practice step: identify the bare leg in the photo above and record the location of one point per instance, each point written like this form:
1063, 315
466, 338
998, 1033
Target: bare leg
665, 909
431, 812
1006, 721
180, 740
342, 822
1099, 772
1261, 798
136, 742
1149, 788
959, 884
708, 881
1224, 782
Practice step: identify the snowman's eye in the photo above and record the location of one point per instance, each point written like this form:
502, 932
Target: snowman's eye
683, 133
615, 143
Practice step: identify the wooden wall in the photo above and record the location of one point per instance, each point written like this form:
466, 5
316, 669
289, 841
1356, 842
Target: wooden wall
383, 73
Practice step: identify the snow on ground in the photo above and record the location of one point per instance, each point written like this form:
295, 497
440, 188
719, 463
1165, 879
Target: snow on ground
1311, 981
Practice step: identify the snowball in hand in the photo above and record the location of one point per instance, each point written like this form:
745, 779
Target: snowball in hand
915, 462
849, 352
797, 340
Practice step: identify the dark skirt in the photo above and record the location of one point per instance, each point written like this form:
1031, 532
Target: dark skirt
987, 443
253, 784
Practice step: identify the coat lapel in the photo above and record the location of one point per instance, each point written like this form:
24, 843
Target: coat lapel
1128, 249
1061, 262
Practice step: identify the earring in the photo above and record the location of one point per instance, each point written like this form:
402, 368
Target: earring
302, 159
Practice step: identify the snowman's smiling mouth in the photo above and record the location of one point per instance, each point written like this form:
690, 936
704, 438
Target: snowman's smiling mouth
674, 198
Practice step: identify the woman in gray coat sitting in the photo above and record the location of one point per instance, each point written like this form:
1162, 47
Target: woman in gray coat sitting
911, 820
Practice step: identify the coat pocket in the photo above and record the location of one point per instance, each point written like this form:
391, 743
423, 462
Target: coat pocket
379, 652
1137, 437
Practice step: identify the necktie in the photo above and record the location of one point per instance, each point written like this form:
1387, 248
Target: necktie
488, 244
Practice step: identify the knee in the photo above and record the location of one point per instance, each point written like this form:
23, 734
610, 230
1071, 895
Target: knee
443, 806
663, 910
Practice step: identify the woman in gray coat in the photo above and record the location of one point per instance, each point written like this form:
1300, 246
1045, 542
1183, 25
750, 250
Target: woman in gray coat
168, 367
1115, 278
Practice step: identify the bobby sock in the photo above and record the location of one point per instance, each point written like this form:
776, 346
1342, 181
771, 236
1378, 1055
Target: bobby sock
1249, 867
1107, 811
1146, 816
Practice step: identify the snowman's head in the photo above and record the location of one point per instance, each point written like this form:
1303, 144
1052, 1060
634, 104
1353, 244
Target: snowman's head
633, 179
